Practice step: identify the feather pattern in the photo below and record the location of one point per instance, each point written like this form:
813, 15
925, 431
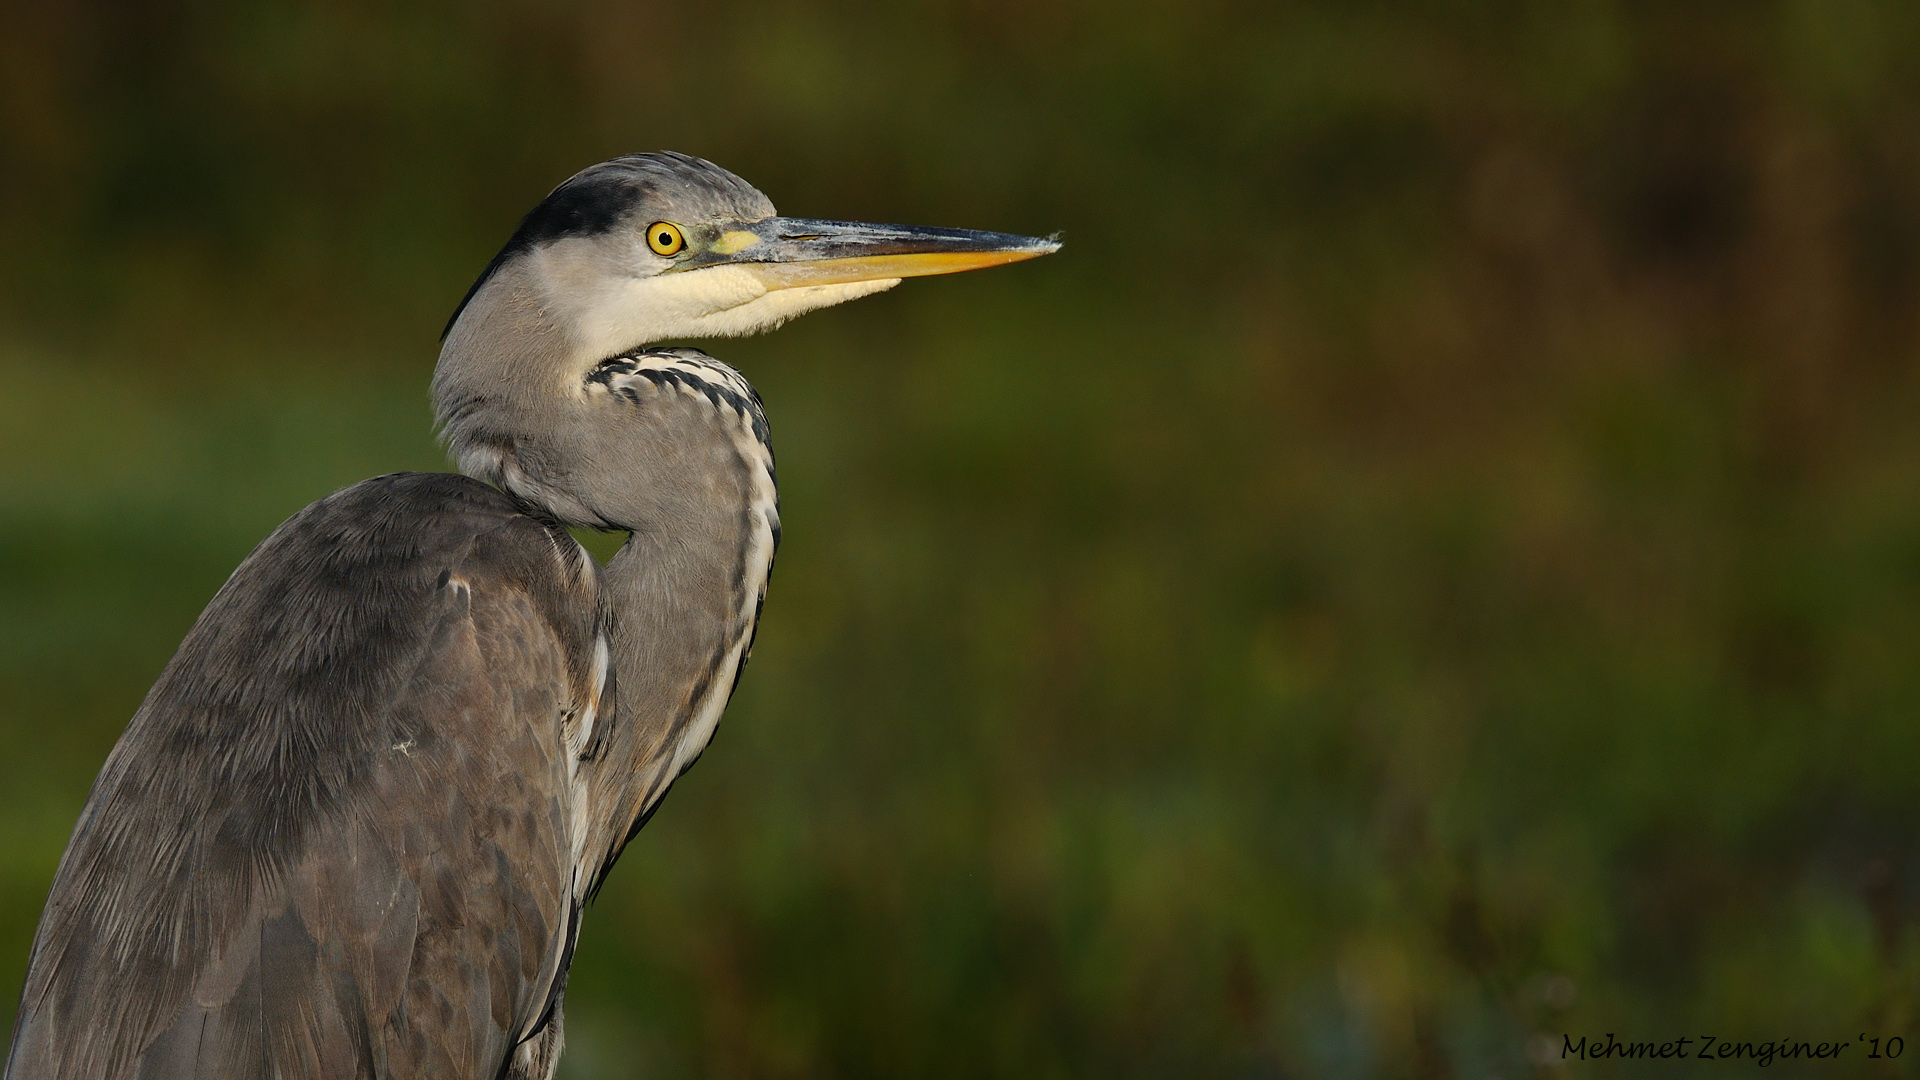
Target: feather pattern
335, 841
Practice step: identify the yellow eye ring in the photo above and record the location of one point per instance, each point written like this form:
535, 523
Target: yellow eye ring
664, 238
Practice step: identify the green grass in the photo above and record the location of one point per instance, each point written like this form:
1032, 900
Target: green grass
1434, 563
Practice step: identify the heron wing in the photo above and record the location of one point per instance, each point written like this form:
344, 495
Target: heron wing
335, 839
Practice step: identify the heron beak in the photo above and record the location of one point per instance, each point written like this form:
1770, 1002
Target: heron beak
790, 253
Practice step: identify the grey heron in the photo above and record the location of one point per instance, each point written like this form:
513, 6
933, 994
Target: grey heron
351, 829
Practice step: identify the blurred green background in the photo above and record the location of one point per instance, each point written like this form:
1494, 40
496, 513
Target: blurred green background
1433, 565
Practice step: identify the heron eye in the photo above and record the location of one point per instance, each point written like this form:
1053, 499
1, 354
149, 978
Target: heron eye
664, 238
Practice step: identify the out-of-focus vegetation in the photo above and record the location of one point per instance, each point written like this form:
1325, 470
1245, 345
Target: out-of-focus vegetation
1434, 564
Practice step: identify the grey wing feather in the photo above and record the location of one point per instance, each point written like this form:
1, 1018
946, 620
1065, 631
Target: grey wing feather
334, 840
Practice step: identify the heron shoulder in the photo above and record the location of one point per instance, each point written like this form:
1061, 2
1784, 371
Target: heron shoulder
373, 705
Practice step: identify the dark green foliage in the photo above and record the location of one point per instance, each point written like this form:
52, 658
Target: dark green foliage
1434, 562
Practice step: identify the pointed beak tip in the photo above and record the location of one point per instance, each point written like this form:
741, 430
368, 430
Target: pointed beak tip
1034, 246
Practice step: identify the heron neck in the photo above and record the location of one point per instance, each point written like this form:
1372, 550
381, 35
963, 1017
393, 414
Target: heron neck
684, 595
668, 444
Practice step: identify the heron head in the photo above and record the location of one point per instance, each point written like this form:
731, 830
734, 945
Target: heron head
654, 247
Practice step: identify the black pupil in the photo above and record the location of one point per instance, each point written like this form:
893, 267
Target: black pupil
666, 238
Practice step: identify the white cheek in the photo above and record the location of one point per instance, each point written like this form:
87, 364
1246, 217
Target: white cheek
776, 307
695, 294
779, 306
719, 301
